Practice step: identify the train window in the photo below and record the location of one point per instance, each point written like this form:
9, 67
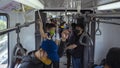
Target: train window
3, 42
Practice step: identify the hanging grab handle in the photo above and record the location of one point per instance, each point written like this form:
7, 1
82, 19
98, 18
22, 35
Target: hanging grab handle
18, 47
88, 38
66, 12
98, 31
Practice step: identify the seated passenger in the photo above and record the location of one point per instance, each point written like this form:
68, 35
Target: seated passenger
19, 59
113, 58
36, 59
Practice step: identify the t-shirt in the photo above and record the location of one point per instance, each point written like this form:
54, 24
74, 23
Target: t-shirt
56, 37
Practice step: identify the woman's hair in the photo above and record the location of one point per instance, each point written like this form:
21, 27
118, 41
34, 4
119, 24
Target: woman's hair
113, 58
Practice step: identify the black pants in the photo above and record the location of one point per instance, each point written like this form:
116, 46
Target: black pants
53, 65
46, 66
68, 60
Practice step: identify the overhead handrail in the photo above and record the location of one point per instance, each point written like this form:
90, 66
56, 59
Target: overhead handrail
109, 22
15, 28
98, 31
18, 47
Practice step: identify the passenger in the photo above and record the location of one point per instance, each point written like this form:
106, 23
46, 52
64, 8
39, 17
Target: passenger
73, 25
63, 42
113, 58
52, 20
101, 65
54, 51
51, 50
19, 59
49, 30
75, 48
36, 59
62, 27
50, 46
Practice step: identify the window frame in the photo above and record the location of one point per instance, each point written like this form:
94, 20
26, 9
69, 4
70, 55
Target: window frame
8, 20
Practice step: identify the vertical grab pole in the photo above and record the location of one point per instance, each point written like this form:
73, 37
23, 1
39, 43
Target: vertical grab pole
88, 44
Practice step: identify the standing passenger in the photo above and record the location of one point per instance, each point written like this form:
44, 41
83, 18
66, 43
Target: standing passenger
75, 48
73, 25
49, 44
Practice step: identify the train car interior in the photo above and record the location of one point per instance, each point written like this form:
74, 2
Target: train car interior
59, 34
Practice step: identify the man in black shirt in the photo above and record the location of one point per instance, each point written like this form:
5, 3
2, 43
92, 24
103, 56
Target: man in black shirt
75, 48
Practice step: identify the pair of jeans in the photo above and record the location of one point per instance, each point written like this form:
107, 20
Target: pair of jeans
76, 62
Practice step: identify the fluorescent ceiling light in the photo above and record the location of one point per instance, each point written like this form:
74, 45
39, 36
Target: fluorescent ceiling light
115, 5
32, 3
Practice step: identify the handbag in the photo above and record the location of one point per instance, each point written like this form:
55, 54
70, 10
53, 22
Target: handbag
43, 59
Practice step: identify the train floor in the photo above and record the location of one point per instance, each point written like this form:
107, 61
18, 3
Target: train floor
63, 62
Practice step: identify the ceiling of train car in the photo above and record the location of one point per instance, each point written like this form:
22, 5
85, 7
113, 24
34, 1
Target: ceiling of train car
66, 3
99, 2
61, 3
71, 3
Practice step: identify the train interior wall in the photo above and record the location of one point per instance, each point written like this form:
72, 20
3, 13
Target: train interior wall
109, 38
27, 34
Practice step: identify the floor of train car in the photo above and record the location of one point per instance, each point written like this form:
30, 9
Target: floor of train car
63, 62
